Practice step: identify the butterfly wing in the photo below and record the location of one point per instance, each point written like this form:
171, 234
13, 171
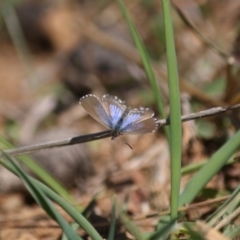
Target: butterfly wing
115, 108
139, 121
111, 112
94, 107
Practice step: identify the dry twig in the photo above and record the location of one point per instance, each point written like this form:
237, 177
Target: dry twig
105, 134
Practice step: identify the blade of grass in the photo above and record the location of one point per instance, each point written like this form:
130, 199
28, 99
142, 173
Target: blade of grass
233, 232
194, 167
193, 233
46, 177
42, 200
175, 109
73, 212
113, 221
75, 227
130, 226
145, 61
205, 174
229, 220
40, 172
163, 233
227, 207
127, 222
16, 34
87, 211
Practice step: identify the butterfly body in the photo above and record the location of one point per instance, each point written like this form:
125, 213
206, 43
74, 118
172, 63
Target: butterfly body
116, 130
111, 112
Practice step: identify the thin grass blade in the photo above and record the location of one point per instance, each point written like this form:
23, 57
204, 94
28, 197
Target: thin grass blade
146, 62
206, 173
40, 172
42, 200
72, 211
175, 109
111, 233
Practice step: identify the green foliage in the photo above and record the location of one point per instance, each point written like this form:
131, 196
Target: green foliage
42, 199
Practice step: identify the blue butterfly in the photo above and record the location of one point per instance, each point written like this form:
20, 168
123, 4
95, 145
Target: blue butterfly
111, 112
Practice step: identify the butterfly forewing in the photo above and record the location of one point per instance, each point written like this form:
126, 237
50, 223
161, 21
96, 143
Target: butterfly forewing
94, 107
114, 107
139, 121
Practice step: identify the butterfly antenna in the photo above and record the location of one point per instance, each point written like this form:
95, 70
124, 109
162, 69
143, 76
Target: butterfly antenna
128, 145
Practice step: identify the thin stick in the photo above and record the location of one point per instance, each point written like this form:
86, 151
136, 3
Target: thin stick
183, 209
60, 143
105, 134
202, 114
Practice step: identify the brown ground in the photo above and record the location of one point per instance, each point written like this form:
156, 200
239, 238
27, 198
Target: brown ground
74, 49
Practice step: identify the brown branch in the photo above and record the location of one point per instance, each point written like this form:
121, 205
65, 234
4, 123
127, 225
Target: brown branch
100, 135
183, 209
202, 114
60, 143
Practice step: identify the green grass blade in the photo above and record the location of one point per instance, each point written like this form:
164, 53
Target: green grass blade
205, 174
227, 207
164, 232
130, 226
17, 36
113, 221
42, 200
194, 167
127, 222
40, 172
74, 227
46, 177
73, 212
88, 210
175, 110
146, 62
233, 232
194, 235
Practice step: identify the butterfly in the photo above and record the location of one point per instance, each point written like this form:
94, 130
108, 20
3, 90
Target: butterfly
112, 113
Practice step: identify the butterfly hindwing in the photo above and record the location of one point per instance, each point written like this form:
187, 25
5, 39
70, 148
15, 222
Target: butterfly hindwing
139, 121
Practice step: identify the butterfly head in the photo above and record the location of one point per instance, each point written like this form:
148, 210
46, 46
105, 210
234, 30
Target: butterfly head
115, 133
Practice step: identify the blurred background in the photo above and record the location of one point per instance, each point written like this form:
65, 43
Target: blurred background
54, 52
